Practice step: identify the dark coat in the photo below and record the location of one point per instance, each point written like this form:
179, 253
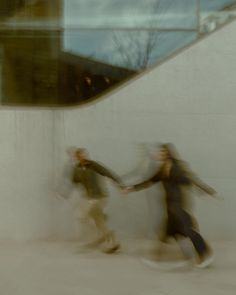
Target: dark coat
178, 220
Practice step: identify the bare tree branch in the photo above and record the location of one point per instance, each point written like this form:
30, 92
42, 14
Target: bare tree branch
135, 48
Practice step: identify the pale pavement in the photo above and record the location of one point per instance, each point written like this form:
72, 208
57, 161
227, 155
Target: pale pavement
56, 268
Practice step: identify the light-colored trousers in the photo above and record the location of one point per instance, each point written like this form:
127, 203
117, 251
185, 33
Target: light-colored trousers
93, 210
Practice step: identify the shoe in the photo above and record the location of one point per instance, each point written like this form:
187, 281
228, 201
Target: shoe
95, 243
112, 249
166, 265
206, 262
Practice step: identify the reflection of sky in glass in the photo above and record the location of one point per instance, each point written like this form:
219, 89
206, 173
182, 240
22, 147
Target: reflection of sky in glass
88, 27
212, 5
116, 14
130, 13
137, 13
100, 45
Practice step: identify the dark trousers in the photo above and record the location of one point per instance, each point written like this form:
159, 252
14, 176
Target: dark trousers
179, 222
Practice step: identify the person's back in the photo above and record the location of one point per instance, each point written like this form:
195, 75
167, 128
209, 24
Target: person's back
90, 175
90, 180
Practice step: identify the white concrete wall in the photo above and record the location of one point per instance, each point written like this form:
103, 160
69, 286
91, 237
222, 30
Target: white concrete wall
26, 163
190, 101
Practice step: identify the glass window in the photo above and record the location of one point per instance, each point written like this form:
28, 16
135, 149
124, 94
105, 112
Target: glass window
216, 5
177, 14
135, 49
63, 52
30, 13
214, 14
36, 70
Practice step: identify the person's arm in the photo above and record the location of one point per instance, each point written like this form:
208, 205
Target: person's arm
152, 180
203, 186
180, 175
100, 169
195, 180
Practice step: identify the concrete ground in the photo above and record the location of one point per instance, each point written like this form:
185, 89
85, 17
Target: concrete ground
56, 268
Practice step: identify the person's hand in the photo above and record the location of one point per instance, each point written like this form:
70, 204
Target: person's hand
127, 189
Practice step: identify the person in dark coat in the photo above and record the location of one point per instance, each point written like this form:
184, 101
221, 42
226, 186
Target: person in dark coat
175, 176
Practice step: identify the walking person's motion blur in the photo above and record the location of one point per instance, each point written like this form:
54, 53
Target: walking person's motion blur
88, 175
65, 186
145, 168
174, 176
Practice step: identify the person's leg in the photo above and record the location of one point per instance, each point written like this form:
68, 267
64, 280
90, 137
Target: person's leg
170, 230
84, 219
97, 213
185, 247
163, 236
198, 242
185, 228
203, 250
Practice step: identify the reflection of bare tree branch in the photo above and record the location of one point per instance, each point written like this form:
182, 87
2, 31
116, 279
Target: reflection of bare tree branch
135, 48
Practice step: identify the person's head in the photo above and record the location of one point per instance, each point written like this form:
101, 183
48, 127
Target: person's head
167, 151
81, 155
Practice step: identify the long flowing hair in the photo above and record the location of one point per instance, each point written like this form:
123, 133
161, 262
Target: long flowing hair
174, 156
172, 151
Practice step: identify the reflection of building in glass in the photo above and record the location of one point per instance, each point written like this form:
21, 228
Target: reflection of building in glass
46, 57
30, 66
1, 62
30, 63
30, 9
35, 69
83, 78
8, 8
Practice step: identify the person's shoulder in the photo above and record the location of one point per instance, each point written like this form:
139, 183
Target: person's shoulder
95, 164
179, 166
90, 162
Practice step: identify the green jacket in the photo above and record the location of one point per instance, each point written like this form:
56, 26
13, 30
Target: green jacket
90, 177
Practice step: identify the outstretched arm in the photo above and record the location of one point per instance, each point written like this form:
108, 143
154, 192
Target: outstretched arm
154, 179
100, 169
203, 186
195, 180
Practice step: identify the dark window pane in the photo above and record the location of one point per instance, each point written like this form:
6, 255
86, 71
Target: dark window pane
54, 67
30, 13
30, 67
36, 70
